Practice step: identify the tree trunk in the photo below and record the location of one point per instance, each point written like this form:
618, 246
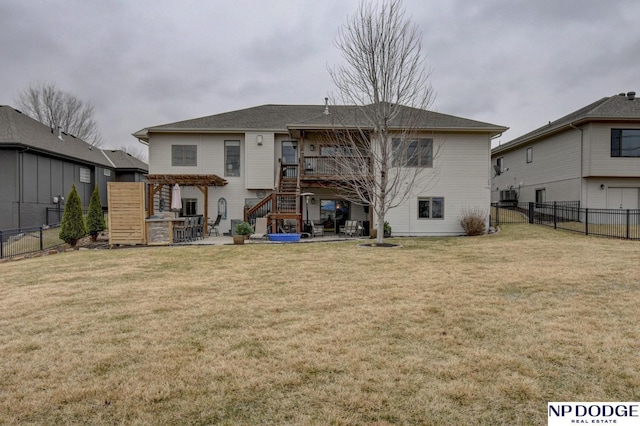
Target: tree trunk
380, 229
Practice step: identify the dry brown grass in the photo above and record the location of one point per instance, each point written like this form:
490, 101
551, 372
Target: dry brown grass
481, 330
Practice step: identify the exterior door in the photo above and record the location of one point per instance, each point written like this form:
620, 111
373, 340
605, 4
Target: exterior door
622, 198
290, 152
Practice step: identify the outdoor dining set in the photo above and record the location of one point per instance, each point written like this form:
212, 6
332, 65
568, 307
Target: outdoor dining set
189, 229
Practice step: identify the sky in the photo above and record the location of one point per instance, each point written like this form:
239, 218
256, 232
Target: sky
516, 63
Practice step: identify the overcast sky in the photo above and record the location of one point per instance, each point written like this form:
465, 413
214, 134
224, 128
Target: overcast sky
517, 63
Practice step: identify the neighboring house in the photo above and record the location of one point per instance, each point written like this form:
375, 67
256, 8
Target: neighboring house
591, 155
253, 153
39, 164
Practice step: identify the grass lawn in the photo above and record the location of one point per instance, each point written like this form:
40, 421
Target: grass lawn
482, 330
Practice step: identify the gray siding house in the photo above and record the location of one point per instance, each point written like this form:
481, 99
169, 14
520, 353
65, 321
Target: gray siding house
38, 163
591, 155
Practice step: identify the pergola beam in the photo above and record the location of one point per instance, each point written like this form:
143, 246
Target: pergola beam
202, 182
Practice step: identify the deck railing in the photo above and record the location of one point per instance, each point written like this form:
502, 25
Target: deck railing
330, 166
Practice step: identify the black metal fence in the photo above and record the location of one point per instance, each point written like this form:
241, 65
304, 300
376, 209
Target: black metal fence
567, 215
17, 242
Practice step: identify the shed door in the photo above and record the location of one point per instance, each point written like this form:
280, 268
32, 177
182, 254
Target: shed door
622, 198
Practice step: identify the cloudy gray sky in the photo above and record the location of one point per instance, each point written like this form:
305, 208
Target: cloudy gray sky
518, 63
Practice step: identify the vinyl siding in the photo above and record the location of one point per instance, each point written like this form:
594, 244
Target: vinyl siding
462, 179
258, 164
555, 167
599, 161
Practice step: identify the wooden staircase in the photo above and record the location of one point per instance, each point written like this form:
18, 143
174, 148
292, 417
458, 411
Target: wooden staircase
281, 205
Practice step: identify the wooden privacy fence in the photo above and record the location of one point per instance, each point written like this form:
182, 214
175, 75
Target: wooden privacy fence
126, 212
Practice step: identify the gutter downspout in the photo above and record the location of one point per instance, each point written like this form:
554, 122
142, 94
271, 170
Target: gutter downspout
586, 201
20, 184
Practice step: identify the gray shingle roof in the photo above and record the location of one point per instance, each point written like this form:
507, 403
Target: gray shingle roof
123, 160
284, 117
613, 108
18, 129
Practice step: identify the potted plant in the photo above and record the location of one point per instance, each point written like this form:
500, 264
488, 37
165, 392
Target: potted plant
243, 230
387, 229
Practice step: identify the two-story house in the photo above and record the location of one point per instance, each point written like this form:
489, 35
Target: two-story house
260, 162
591, 155
38, 166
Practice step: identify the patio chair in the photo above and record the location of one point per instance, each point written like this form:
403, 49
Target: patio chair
260, 230
317, 230
350, 228
213, 226
199, 228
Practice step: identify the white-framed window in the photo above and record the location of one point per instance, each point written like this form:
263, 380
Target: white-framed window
189, 207
500, 164
85, 175
430, 207
184, 155
412, 153
232, 158
529, 155
107, 172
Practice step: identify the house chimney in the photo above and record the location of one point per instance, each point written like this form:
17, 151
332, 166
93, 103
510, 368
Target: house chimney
326, 106
631, 95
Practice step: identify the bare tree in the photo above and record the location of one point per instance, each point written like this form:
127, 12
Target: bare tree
56, 108
381, 153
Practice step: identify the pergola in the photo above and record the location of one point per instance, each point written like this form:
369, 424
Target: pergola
202, 182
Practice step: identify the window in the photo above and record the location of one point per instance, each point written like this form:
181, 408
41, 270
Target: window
500, 164
529, 154
189, 207
85, 175
541, 195
625, 142
430, 208
232, 158
413, 153
184, 155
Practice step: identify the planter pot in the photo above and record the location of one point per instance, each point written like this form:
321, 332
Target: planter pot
387, 234
373, 234
238, 239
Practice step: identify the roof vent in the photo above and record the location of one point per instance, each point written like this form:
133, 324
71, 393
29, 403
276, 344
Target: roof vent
60, 133
631, 95
326, 106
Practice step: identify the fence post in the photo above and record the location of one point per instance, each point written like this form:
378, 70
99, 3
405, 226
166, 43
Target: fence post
628, 215
41, 242
531, 212
555, 215
497, 214
586, 221
1, 245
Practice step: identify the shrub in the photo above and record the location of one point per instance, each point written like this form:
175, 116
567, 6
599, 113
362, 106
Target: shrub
244, 228
72, 227
95, 217
473, 221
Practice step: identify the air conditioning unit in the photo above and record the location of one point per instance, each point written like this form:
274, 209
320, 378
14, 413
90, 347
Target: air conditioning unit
509, 195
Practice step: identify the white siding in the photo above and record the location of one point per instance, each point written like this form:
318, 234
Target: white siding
600, 162
462, 179
555, 167
258, 165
